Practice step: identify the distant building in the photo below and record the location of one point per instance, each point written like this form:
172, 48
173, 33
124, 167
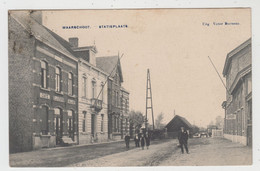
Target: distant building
174, 126
238, 105
43, 93
118, 98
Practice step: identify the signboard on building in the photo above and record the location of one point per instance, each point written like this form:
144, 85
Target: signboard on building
58, 99
44, 96
230, 116
70, 101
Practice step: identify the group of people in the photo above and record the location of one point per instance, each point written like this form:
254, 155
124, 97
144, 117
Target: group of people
144, 139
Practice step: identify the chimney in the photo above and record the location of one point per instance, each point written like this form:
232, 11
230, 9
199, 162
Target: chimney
37, 15
74, 41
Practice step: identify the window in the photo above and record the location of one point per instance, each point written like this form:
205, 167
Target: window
93, 89
114, 95
71, 123
44, 74
44, 120
249, 85
84, 86
57, 119
70, 83
126, 106
84, 121
57, 79
102, 122
102, 91
117, 99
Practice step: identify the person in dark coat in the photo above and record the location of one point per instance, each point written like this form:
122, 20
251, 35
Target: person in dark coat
137, 140
127, 140
147, 140
183, 140
142, 141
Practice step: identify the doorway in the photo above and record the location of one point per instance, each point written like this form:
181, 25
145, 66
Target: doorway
58, 126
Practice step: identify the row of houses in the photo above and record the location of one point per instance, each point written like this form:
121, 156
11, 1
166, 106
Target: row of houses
238, 104
60, 93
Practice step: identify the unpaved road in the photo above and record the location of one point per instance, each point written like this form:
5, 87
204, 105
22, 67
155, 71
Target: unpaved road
203, 152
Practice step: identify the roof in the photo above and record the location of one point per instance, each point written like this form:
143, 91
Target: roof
62, 41
173, 123
40, 32
108, 64
233, 53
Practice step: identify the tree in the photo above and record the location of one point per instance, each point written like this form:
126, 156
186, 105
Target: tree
136, 118
219, 122
158, 121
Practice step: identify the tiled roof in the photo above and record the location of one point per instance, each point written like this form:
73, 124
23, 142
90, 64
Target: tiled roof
231, 54
39, 31
62, 41
108, 64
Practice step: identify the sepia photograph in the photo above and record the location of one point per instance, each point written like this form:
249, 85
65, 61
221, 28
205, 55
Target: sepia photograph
130, 87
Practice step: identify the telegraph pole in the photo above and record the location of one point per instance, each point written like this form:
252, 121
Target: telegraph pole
148, 98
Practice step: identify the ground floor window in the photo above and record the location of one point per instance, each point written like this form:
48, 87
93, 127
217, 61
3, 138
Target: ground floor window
102, 122
44, 120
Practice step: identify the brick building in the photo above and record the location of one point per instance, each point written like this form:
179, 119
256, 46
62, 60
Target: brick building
92, 99
43, 90
125, 113
117, 97
238, 105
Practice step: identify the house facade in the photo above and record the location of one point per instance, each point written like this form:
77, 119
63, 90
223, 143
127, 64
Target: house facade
238, 105
43, 92
117, 122
92, 97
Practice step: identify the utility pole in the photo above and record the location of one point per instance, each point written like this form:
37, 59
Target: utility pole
148, 97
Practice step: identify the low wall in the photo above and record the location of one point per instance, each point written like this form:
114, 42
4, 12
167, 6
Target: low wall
236, 138
43, 141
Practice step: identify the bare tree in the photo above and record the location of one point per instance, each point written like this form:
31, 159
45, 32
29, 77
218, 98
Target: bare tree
219, 122
158, 121
136, 118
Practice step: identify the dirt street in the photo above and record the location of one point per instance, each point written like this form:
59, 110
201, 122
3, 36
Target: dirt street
203, 152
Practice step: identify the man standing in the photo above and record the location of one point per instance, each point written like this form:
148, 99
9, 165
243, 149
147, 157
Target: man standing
183, 139
127, 140
137, 140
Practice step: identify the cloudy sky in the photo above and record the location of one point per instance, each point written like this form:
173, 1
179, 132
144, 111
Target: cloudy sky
173, 43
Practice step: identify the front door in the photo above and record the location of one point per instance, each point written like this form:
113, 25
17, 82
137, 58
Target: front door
93, 125
71, 124
58, 125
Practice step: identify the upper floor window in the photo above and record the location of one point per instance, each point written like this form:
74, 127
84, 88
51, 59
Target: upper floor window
102, 91
126, 105
84, 85
117, 99
44, 66
57, 79
249, 85
93, 89
70, 84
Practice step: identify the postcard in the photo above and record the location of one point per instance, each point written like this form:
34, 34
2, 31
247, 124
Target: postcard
130, 87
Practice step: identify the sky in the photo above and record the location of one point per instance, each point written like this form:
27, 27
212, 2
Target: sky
174, 44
